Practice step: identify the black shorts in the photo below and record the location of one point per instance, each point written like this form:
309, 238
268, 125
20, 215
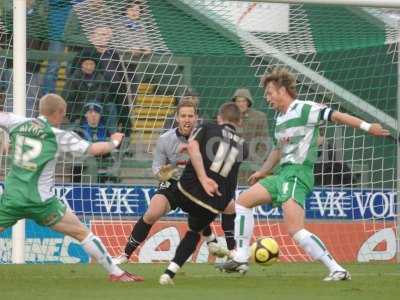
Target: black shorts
198, 217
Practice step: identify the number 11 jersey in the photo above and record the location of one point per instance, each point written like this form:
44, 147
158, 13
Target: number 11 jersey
222, 151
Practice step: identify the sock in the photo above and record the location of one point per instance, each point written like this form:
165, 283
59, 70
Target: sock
208, 235
207, 231
316, 249
186, 247
244, 224
138, 235
228, 225
95, 248
172, 269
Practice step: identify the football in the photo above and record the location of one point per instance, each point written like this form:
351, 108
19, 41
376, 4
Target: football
264, 251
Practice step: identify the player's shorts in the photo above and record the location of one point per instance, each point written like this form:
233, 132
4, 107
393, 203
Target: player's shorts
291, 181
14, 207
169, 189
199, 217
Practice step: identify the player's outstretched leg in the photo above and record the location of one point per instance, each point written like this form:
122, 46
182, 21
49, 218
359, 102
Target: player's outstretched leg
158, 207
139, 233
316, 249
293, 216
228, 225
185, 248
244, 225
70, 225
95, 248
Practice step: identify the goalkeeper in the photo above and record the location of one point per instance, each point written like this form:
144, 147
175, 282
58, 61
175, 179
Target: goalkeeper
29, 185
168, 165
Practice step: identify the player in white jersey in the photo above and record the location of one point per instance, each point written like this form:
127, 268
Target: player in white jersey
295, 152
29, 185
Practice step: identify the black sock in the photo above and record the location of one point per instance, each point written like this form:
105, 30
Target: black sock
207, 232
138, 235
186, 247
228, 225
170, 273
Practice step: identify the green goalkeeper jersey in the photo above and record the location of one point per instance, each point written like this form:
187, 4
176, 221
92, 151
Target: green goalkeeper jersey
35, 147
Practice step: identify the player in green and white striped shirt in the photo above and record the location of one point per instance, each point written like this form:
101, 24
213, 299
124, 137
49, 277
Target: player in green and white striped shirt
295, 152
29, 185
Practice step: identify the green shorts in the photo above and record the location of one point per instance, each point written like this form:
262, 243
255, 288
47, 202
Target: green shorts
290, 181
14, 207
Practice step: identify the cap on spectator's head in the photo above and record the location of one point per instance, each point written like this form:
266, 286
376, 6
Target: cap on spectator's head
87, 54
245, 93
93, 106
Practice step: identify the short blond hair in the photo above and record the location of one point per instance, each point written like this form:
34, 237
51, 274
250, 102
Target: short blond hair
186, 103
282, 78
50, 103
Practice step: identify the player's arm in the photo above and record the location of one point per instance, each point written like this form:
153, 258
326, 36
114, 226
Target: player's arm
101, 148
70, 142
346, 119
9, 120
209, 185
272, 160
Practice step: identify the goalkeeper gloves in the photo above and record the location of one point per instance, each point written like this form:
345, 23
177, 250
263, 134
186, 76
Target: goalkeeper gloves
167, 172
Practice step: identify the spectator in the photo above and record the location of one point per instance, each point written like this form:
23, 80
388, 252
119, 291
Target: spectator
110, 65
93, 129
57, 18
86, 83
33, 79
33, 90
136, 32
132, 32
254, 130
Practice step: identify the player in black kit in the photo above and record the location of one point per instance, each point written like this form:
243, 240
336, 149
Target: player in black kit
208, 183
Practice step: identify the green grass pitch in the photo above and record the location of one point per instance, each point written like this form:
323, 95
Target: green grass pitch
373, 281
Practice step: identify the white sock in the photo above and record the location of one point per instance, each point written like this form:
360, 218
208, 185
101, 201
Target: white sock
244, 224
209, 238
173, 267
95, 248
316, 249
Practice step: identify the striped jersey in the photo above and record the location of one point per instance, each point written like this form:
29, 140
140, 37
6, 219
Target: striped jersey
35, 147
296, 132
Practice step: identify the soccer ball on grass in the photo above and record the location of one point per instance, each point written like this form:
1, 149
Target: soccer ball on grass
264, 251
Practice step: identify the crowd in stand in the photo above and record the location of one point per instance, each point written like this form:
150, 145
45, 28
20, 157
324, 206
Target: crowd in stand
96, 74
99, 85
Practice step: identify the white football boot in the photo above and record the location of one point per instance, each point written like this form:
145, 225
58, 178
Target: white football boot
121, 259
166, 280
217, 250
232, 266
338, 276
